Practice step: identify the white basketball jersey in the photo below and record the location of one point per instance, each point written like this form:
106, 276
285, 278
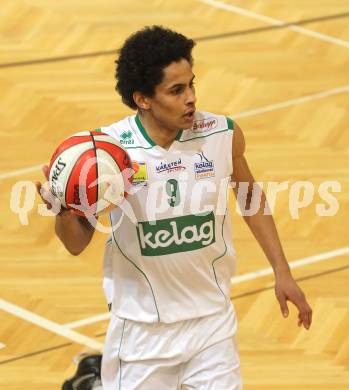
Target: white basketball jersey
173, 257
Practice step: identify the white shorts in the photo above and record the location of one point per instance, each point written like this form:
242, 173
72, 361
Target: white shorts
198, 354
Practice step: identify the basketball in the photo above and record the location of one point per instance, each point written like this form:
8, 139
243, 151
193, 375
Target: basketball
89, 173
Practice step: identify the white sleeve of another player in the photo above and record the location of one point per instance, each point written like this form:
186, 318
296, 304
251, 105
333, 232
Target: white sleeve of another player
108, 272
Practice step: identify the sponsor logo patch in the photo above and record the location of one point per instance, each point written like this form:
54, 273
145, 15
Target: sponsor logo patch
174, 235
203, 125
173, 166
126, 138
204, 168
141, 174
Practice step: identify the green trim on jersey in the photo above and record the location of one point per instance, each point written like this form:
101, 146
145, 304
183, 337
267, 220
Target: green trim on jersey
129, 147
143, 131
230, 123
217, 258
179, 135
122, 336
137, 147
136, 266
203, 136
146, 135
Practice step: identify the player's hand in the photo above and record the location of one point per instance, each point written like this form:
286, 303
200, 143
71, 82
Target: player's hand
51, 201
286, 289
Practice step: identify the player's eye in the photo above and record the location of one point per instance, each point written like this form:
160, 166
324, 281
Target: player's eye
177, 91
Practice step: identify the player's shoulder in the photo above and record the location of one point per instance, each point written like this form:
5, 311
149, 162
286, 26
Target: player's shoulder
206, 124
124, 131
117, 128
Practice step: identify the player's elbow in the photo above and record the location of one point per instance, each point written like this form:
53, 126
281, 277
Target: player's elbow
73, 245
75, 251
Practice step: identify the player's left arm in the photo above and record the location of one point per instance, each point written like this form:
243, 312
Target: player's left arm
264, 230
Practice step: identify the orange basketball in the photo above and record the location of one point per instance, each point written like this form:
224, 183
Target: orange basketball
90, 172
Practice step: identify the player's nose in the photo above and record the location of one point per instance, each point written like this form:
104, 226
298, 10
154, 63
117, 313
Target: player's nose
190, 96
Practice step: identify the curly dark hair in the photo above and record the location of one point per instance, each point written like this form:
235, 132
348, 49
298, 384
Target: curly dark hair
143, 57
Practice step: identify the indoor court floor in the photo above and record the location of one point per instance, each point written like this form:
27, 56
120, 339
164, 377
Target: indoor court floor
281, 70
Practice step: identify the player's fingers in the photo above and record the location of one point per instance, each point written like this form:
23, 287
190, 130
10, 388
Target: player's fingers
305, 316
45, 171
41, 191
38, 186
45, 195
308, 318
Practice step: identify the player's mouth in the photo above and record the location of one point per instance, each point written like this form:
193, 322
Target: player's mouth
189, 116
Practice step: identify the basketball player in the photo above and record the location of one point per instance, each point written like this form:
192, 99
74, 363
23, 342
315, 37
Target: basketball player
173, 325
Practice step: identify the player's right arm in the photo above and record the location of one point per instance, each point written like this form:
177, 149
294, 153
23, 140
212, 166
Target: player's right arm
73, 230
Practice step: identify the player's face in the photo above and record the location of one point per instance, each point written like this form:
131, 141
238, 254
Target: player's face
173, 104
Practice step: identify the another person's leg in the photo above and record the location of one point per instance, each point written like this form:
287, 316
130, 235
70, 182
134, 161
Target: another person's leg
87, 376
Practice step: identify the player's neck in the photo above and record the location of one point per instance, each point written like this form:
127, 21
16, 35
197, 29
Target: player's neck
160, 134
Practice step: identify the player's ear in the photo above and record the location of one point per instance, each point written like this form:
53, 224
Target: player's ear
141, 100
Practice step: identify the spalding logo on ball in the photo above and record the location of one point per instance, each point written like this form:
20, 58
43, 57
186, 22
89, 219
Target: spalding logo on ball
90, 173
